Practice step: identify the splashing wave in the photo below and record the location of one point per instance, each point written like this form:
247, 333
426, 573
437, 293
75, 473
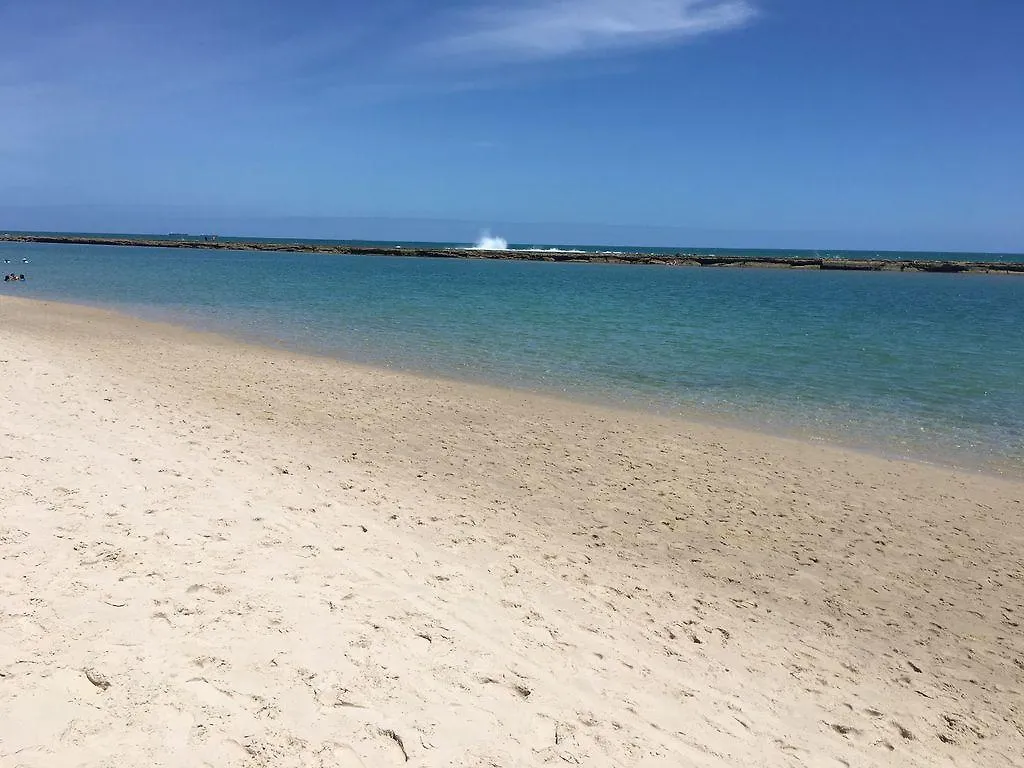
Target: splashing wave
487, 242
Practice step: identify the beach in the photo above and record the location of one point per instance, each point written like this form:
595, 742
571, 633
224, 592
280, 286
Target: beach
225, 554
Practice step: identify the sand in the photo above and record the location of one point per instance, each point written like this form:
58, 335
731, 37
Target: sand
218, 554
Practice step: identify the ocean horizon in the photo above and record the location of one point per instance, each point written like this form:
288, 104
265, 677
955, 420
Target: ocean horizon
926, 366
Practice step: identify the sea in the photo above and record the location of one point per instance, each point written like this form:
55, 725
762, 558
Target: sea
917, 365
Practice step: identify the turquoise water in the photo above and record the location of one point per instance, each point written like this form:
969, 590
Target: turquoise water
924, 365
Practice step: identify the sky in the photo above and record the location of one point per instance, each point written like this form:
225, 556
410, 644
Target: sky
876, 124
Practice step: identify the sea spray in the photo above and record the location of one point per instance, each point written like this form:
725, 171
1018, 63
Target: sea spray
487, 242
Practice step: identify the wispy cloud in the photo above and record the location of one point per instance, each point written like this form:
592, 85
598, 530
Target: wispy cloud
73, 69
544, 29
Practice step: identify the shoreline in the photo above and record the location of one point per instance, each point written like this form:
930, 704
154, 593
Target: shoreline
1001, 467
680, 259
220, 552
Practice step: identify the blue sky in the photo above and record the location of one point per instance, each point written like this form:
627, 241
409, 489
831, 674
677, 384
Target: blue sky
777, 123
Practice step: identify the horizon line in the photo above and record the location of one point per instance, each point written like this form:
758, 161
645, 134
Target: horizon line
6, 233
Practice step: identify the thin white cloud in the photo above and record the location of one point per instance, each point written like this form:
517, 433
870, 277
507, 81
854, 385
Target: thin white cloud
542, 29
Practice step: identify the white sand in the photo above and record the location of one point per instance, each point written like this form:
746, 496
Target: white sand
217, 554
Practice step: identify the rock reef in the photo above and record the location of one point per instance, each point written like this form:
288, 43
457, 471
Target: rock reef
680, 259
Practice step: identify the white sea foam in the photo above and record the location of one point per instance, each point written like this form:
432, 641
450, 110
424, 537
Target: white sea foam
538, 249
488, 242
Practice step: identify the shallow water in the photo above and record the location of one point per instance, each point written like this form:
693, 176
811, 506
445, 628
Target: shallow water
924, 365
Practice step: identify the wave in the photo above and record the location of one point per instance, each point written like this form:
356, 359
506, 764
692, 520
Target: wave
538, 249
488, 242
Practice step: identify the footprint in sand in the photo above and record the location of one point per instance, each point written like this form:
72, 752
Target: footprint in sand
334, 755
211, 695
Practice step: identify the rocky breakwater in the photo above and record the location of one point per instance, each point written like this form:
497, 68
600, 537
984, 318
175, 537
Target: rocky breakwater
676, 259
